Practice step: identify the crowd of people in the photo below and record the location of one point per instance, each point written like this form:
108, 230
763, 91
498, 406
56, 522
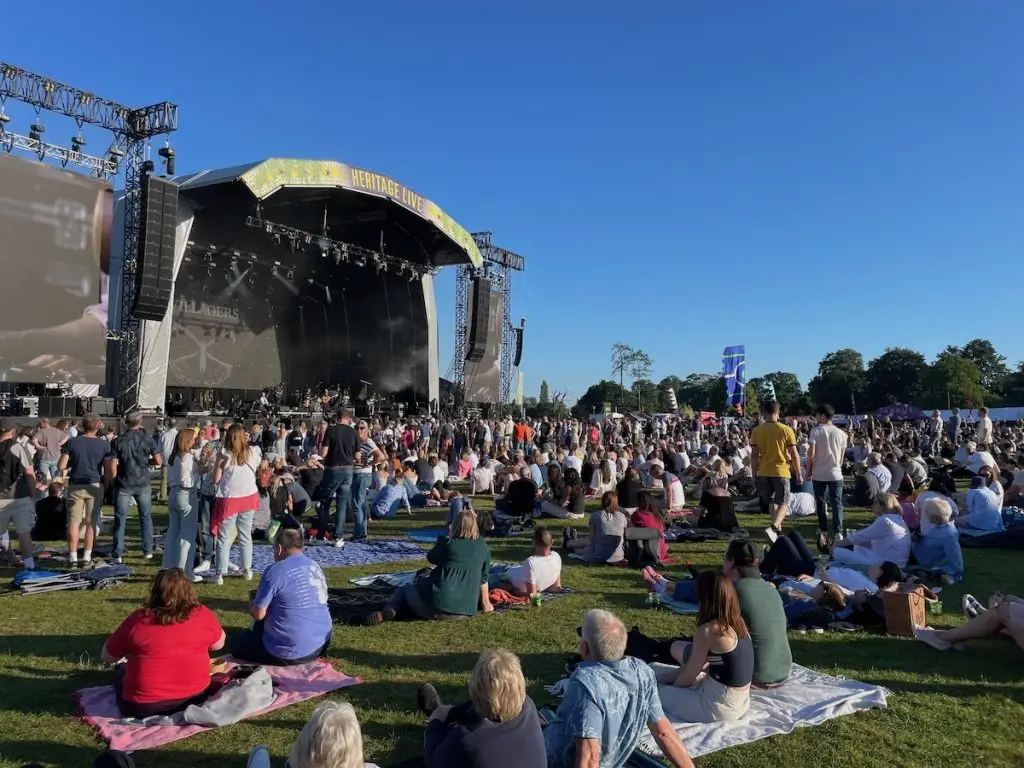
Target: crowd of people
233, 482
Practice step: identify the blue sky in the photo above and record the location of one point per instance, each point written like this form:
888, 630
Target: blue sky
795, 176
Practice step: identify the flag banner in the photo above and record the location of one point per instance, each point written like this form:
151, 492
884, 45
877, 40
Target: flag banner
734, 366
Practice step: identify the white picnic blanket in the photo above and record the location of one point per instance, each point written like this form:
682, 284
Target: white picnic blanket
808, 698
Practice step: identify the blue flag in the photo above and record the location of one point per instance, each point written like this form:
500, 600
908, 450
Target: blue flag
734, 366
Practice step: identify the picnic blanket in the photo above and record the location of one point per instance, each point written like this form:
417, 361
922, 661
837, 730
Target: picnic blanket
353, 553
98, 707
678, 606
426, 535
808, 698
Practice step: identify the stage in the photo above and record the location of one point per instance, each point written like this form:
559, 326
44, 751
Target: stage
301, 275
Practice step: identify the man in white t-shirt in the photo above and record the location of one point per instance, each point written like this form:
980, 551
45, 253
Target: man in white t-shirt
572, 460
542, 571
984, 433
975, 459
825, 453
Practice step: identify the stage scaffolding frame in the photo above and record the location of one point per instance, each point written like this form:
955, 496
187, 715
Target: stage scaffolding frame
499, 264
132, 129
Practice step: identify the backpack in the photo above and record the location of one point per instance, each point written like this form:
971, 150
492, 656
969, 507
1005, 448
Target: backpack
11, 470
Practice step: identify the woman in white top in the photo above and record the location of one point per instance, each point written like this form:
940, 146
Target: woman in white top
183, 481
886, 539
604, 479
237, 500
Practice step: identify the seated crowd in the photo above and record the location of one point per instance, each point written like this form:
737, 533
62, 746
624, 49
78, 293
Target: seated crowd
219, 482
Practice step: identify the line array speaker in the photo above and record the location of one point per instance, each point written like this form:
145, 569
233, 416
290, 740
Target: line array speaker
154, 275
519, 346
478, 320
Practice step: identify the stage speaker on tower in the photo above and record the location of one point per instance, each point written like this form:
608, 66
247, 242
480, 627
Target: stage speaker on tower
519, 343
478, 320
154, 270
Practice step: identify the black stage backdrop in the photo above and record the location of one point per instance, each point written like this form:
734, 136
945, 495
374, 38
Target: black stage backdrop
483, 379
248, 326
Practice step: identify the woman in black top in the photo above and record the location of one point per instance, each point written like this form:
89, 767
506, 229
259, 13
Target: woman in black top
628, 489
574, 497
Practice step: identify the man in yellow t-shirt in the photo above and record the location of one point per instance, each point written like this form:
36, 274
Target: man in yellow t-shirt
773, 454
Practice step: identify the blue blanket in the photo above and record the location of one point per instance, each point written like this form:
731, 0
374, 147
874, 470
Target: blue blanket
354, 553
427, 535
678, 606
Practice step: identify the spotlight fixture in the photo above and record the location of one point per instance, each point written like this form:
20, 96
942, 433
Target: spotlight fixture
167, 153
36, 131
148, 166
77, 142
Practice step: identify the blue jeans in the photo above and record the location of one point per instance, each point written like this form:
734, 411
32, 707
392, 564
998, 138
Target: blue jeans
182, 518
455, 506
48, 468
242, 525
360, 485
144, 501
337, 486
205, 514
834, 489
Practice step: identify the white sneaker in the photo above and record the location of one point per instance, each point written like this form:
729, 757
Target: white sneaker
232, 568
118, 560
204, 566
197, 579
339, 543
972, 607
148, 556
247, 575
219, 580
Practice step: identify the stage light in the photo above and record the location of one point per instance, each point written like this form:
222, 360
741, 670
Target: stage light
361, 261
148, 167
36, 131
325, 245
291, 275
77, 142
167, 153
327, 294
276, 239
269, 228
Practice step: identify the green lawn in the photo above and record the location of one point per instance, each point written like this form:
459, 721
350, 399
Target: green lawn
946, 710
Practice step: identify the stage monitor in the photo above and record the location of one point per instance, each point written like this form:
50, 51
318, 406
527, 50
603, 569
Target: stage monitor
55, 258
483, 378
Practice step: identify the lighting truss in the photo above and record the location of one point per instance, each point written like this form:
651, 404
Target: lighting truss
132, 128
300, 238
103, 167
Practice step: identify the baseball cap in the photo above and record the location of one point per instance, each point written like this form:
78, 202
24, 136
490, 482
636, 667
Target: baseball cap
742, 553
6, 425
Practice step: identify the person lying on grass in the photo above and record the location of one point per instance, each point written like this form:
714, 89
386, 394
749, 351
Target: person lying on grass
712, 683
541, 572
1005, 616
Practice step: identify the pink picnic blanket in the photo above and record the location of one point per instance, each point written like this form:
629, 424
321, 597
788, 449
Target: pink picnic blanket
291, 685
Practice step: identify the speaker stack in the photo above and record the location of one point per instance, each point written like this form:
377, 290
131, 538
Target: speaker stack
478, 320
154, 274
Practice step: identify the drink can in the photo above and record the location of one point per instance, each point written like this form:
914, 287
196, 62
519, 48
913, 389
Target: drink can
535, 599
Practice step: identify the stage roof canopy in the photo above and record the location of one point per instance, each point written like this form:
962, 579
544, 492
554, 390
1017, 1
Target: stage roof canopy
277, 177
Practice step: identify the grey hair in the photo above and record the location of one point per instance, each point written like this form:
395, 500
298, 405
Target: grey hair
330, 737
605, 634
938, 511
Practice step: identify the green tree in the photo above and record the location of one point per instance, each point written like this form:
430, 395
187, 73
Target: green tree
952, 379
622, 355
647, 395
695, 391
605, 391
1013, 388
990, 364
545, 393
895, 376
751, 401
640, 365
840, 374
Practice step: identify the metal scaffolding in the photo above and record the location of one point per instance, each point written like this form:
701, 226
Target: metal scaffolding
499, 264
132, 128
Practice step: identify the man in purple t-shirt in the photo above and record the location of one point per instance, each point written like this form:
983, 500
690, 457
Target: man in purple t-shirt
292, 623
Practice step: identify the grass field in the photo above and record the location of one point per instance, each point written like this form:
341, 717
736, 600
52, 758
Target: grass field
951, 709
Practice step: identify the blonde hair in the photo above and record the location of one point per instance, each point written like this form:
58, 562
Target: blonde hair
497, 687
937, 511
464, 526
331, 738
890, 504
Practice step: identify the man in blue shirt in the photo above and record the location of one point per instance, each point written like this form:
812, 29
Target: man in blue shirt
132, 452
983, 510
608, 702
292, 623
389, 500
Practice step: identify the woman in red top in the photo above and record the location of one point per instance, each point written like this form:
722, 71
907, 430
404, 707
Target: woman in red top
649, 516
166, 644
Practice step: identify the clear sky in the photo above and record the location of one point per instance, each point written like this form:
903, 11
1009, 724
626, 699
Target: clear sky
793, 175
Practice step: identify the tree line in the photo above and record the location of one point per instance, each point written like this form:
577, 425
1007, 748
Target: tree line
969, 376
